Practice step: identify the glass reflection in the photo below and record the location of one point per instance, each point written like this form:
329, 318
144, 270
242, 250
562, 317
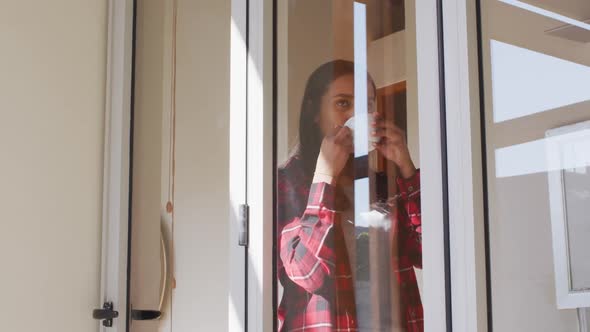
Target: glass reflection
536, 73
539, 156
525, 82
547, 13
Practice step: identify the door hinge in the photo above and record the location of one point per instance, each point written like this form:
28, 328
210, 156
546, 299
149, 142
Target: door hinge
244, 221
106, 314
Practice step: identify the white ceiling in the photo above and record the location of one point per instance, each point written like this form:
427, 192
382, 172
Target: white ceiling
576, 9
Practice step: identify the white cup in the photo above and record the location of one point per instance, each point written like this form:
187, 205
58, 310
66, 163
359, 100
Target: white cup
350, 123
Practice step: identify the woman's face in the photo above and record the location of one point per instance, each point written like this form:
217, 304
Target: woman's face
337, 105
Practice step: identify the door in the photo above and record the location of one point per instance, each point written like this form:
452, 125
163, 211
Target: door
379, 56
182, 201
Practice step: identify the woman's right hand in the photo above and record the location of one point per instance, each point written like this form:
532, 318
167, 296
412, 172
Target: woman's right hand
334, 153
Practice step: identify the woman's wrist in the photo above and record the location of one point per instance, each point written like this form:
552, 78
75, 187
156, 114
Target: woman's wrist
407, 170
323, 177
324, 173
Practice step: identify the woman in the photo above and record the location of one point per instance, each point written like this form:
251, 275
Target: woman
314, 188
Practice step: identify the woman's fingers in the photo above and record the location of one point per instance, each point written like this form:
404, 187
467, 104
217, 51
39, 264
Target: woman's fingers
387, 125
377, 115
349, 148
388, 130
382, 147
347, 143
343, 134
334, 131
389, 134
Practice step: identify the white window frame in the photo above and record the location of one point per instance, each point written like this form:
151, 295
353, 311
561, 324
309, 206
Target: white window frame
238, 156
115, 211
464, 162
567, 298
260, 165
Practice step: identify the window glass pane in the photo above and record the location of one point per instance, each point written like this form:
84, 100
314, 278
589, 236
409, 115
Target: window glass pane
536, 71
348, 223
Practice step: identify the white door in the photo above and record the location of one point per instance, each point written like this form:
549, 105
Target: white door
291, 72
186, 267
111, 311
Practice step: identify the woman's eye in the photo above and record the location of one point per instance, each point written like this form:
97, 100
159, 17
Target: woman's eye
343, 103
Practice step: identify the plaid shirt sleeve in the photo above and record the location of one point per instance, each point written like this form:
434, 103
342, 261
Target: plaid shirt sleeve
306, 246
410, 219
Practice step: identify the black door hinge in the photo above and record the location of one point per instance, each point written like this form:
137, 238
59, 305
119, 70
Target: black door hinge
243, 234
106, 314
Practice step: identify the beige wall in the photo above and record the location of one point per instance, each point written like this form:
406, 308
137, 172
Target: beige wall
52, 87
306, 18
520, 226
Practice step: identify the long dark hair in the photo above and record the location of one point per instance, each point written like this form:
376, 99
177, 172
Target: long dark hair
310, 133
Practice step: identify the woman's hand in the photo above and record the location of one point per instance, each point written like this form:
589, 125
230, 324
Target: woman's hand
334, 153
392, 144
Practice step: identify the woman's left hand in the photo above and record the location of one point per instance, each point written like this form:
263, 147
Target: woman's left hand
392, 144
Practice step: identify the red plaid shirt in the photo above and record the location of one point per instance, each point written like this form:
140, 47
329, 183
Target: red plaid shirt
314, 267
